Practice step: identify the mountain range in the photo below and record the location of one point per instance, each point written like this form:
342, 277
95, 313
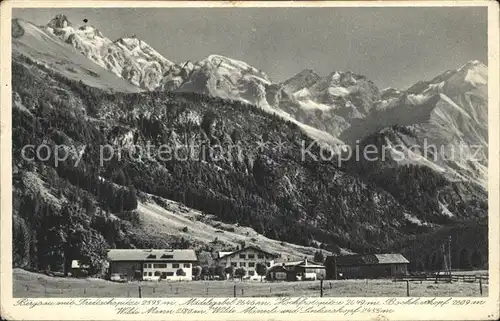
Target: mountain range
124, 92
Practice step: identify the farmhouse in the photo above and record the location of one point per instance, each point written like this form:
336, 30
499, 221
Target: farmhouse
247, 258
365, 266
152, 264
296, 271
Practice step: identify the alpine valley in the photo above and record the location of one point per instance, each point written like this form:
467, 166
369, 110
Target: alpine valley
75, 91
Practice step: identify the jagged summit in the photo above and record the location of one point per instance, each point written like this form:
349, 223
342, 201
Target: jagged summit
128, 58
59, 21
389, 93
470, 64
41, 45
234, 65
303, 79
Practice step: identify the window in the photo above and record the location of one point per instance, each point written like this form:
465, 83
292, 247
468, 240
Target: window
251, 273
157, 273
170, 273
251, 264
175, 265
145, 274
159, 266
150, 273
167, 256
242, 256
242, 264
234, 264
260, 256
187, 265
251, 256
164, 275
151, 256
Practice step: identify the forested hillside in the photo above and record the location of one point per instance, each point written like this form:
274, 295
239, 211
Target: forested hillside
236, 162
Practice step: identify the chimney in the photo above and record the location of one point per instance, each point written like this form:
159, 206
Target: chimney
305, 260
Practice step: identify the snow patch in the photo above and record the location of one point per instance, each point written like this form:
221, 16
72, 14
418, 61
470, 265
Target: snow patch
414, 220
445, 210
302, 94
338, 91
475, 78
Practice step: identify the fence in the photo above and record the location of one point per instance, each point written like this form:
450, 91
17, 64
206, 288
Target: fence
443, 277
64, 287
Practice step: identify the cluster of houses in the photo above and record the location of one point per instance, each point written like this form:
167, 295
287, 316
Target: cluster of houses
176, 264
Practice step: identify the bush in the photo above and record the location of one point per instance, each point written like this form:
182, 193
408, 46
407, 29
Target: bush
319, 257
196, 271
219, 270
261, 269
240, 272
229, 270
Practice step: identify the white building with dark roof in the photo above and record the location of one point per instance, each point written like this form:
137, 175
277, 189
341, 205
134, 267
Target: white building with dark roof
152, 264
247, 258
296, 271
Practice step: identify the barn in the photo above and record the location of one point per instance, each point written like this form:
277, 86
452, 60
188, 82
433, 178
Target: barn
366, 266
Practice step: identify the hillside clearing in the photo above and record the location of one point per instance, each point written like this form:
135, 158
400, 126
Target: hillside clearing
204, 228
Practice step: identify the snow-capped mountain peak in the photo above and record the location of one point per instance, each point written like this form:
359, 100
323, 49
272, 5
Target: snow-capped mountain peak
476, 73
219, 76
139, 48
389, 93
128, 58
471, 64
302, 80
233, 68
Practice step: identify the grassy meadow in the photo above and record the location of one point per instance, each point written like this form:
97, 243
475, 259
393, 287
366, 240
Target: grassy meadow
28, 284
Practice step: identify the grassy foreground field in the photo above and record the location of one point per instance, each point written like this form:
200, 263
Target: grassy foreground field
27, 284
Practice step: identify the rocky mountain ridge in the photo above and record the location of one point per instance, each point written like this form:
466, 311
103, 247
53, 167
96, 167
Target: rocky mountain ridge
128, 58
340, 108
60, 97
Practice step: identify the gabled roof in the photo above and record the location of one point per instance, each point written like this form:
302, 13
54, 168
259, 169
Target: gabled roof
222, 254
151, 255
246, 248
367, 259
391, 258
312, 266
291, 263
276, 268
302, 263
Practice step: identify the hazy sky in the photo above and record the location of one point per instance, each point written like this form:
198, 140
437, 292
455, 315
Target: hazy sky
391, 46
